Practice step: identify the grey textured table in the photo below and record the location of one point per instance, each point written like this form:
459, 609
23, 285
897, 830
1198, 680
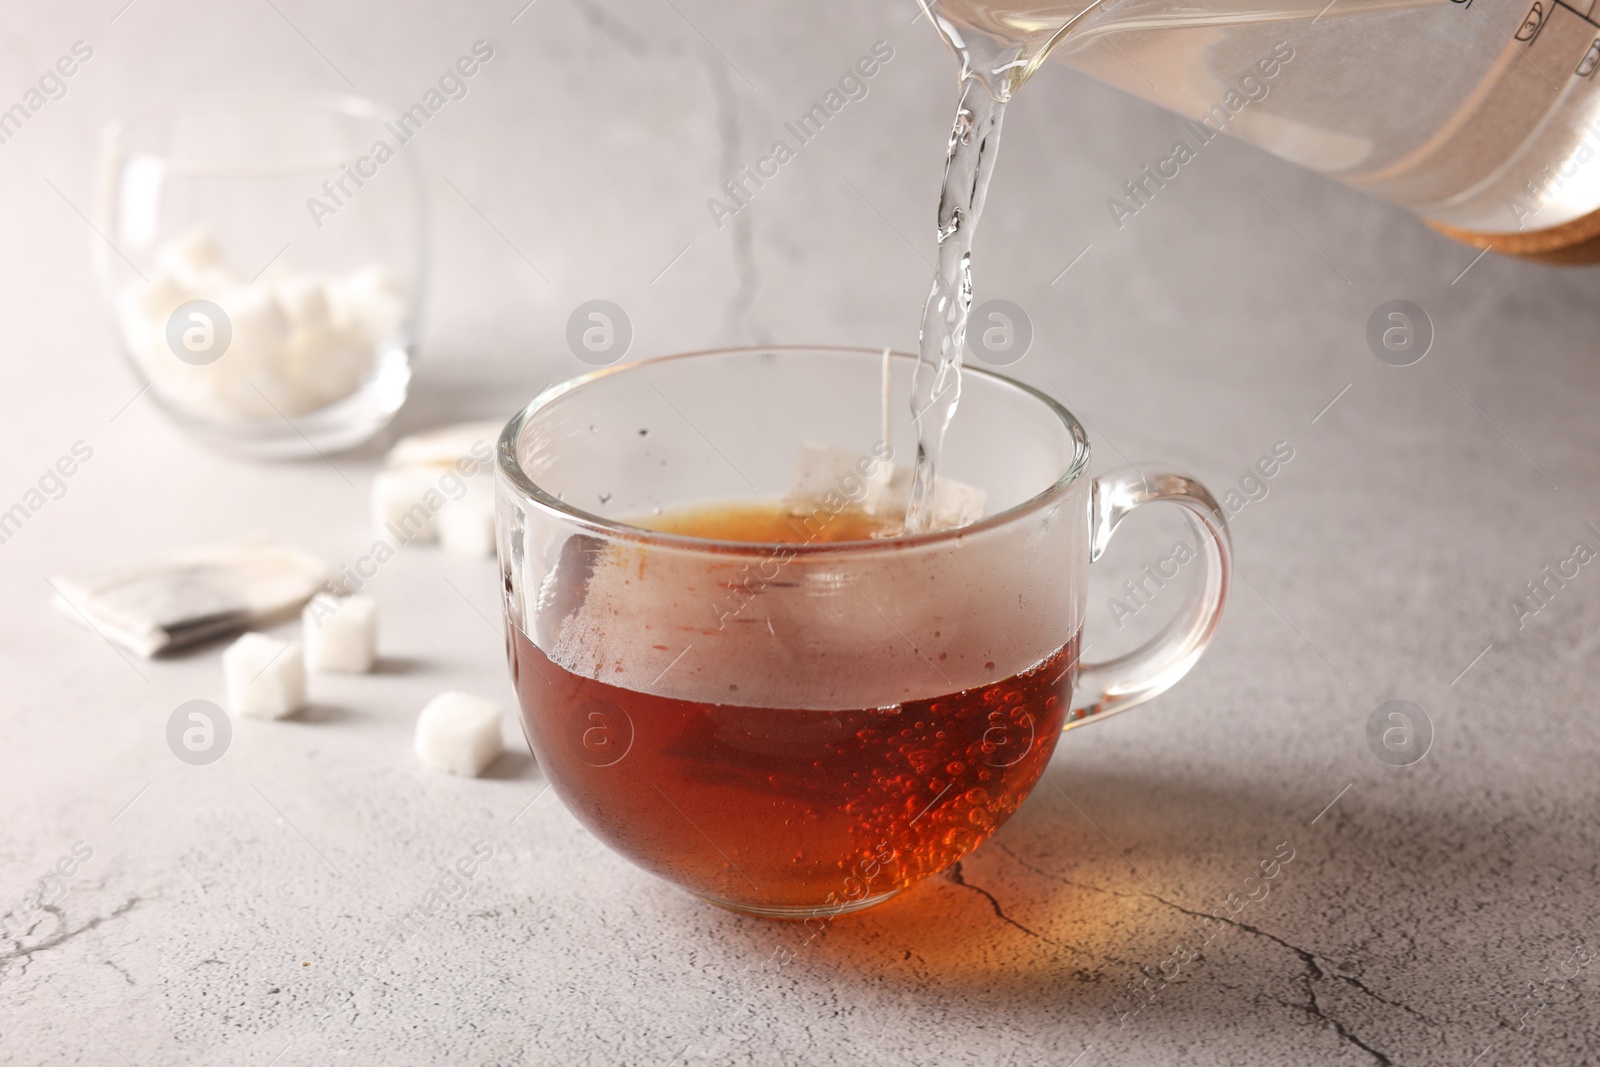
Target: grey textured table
239, 913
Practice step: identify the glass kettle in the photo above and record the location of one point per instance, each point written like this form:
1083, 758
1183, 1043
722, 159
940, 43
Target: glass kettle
1480, 116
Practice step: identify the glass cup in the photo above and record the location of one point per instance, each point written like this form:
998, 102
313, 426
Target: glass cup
805, 728
266, 262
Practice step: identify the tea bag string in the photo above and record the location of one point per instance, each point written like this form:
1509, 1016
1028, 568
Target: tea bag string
888, 381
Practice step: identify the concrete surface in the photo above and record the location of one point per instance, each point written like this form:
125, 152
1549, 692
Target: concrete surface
1438, 913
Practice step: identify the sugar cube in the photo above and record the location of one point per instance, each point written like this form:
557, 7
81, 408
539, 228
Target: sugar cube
265, 677
303, 299
447, 445
192, 258
459, 733
298, 341
373, 299
439, 486
325, 364
467, 525
257, 323
154, 302
402, 507
341, 633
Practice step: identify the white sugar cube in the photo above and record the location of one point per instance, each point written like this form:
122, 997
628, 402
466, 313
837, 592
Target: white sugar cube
154, 301
327, 365
368, 303
298, 342
467, 525
447, 446
257, 323
341, 634
303, 299
403, 509
459, 733
213, 284
193, 259
265, 677
374, 278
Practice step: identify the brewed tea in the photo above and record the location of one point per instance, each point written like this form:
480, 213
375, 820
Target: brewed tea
779, 808
774, 523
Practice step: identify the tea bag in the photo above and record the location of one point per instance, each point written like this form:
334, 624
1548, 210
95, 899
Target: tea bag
876, 486
565, 586
189, 597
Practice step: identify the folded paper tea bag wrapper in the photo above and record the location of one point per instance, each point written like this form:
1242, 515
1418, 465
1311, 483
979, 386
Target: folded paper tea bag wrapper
188, 597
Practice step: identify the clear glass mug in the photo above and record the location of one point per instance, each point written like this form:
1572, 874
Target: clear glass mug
806, 728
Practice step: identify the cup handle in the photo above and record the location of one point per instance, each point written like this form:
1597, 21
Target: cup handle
1103, 689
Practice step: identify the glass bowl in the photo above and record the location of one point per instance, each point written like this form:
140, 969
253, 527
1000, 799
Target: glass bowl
266, 262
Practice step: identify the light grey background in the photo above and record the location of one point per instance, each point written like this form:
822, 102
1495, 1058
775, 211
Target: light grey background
226, 908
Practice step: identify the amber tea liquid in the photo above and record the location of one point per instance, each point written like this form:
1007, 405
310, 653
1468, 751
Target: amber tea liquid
782, 808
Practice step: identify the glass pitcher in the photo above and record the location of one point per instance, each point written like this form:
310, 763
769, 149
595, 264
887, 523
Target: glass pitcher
1480, 116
